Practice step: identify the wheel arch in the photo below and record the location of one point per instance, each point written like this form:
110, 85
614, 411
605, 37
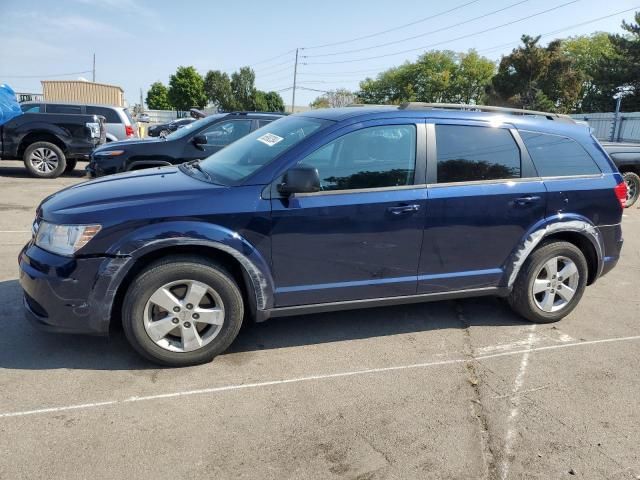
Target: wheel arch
577, 231
39, 136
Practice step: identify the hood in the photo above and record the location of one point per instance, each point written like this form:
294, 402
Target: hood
127, 143
127, 196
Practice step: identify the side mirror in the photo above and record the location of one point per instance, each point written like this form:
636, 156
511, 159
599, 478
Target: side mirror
199, 141
300, 179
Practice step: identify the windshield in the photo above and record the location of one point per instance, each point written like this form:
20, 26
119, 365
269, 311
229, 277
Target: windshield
192, 127
236, 162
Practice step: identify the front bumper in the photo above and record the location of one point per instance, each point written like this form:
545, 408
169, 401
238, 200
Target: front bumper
61, 293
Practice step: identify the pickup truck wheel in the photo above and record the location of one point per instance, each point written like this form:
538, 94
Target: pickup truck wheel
44, 160
182, 311
632, 180
550, 283
71, 165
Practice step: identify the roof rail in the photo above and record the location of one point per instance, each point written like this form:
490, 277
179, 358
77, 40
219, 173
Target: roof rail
253, 112
558, 117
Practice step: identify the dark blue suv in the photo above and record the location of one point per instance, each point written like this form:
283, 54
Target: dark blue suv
329, 210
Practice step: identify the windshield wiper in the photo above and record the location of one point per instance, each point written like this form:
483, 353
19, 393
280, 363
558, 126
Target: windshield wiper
195, 164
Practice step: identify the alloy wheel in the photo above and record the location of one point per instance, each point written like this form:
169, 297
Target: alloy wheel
631, 188
44, 160
183, 316
555, 284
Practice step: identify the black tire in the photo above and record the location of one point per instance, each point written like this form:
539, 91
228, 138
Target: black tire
30, 159
173, 269
522, 299
71, 165
632, 180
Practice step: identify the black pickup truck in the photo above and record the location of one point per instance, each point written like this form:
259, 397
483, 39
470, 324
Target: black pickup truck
626, 156
50, 144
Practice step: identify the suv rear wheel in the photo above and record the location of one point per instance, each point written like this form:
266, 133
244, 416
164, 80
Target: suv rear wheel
551, 283
182, 311
44, 160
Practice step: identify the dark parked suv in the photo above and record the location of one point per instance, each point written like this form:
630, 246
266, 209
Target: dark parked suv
328, 210
194, 141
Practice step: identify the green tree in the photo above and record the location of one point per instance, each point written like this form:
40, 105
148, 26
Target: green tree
217, 87
627, 75
243, 88
537, 78
596, 58
186, 89
320, 102
437, 76
275, 103
158, 97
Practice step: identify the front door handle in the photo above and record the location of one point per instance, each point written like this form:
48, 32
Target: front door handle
526, 200
403, 209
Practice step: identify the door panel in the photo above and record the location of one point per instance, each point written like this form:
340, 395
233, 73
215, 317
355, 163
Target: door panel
471, 231
328, 248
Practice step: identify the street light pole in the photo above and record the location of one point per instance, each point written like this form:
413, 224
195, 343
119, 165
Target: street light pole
295, 77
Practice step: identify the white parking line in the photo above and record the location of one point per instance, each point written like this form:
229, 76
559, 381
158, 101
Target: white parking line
369, 371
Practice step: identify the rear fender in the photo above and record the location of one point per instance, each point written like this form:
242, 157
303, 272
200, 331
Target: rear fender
545, 228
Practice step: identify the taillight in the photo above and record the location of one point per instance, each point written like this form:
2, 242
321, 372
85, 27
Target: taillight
621, 193
128, 129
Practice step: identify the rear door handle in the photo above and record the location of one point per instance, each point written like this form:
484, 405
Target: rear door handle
403, 209
527, 200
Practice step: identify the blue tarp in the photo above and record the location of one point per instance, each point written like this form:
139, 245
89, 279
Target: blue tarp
9, 106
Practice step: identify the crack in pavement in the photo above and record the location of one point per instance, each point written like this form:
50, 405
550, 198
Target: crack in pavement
486, 449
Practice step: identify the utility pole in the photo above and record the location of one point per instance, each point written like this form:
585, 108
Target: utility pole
295, 77
141, 102
94, 69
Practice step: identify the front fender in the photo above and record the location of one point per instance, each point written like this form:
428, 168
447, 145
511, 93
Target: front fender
124, 254
545, 228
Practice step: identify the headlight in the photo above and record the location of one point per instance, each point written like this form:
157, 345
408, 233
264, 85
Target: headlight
108, 153
64, 239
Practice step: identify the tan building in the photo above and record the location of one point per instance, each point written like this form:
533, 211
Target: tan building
78, 91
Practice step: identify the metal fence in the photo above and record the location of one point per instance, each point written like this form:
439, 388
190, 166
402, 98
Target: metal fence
606, 126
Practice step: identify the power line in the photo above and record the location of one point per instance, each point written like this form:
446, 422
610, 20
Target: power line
391, 29
289, 67
52, 75
288, 62
447, 41
420, 35
570, 27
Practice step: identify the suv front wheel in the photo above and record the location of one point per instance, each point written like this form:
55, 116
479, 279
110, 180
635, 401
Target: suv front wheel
182, 311
551, 283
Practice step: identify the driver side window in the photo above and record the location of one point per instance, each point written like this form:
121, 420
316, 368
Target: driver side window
222, 134
373, 157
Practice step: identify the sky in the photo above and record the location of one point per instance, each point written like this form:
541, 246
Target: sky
340, 42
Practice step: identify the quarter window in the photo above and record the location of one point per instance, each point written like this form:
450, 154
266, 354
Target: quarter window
373, 157
110, 115
555, 156
467, 154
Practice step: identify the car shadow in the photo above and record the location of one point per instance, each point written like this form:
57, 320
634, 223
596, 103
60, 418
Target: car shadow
22, 346
17, 170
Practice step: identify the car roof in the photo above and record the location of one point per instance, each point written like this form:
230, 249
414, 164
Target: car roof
33, 102
560, 125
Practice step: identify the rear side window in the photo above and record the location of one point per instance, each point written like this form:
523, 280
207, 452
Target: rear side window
556, 156
109, 114
467, 154
64, 109
262, 123
30, 108
373, 157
